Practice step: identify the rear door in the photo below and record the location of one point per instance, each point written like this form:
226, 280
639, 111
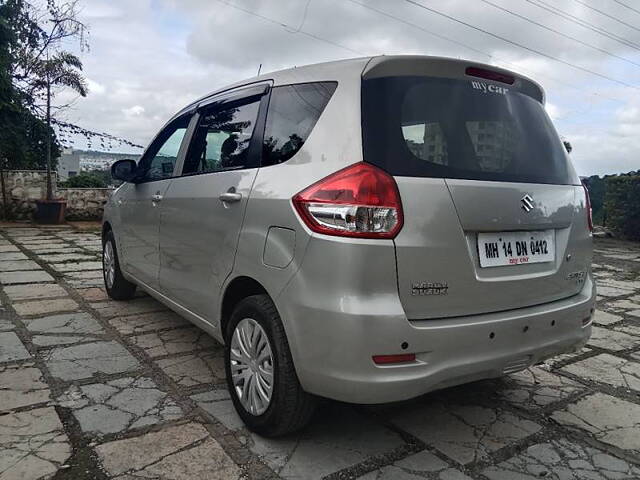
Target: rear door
494, 215
203, 208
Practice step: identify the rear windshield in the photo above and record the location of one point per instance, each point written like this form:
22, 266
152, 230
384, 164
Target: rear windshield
467, 129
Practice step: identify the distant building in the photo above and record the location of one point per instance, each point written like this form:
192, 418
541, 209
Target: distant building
72, 161
68, 164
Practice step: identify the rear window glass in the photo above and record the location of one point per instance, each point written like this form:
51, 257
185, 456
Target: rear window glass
293, 112
467, 129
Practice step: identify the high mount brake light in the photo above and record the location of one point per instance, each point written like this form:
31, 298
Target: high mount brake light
490, 75
358, 201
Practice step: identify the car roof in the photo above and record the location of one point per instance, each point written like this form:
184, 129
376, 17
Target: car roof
366, 67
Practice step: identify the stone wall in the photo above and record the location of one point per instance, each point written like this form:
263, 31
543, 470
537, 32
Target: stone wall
85, 203
24, 187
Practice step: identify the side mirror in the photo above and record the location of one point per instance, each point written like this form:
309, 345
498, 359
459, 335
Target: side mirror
124, 170
567, 146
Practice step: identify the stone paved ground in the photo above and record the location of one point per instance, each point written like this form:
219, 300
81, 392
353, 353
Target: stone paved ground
96, 389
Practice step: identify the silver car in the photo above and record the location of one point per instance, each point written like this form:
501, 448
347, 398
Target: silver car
366, 230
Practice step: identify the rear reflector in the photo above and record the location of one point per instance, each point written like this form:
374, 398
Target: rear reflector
390, 359
490, 75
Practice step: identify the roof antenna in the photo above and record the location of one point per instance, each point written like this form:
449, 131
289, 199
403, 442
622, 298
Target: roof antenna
259, 68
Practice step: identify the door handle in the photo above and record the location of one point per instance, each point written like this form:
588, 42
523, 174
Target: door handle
230, 196
156, 198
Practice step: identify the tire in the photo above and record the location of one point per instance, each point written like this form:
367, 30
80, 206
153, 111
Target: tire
117, 288
290, 408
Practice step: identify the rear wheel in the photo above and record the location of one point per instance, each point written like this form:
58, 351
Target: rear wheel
116, 285
261, 377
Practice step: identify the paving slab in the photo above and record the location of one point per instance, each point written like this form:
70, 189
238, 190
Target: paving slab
85, 275
67, 323
11, 348
34, 445
6, 256
608, 369
88, 359
17, 265
119, 405
34, 291
625, 304
609, 419
132, 307
608, 291
41, 307
605, 318
534, 388
554, 361
464, 433
21, 386
631, 329
418, 466
6, 324
170, 342
8, 248
562, 460
611, 339
85, 283
93, 294
338, 437
205, 367
148, 322
218, 404
634, 313
77, 267
34, 276
179, 452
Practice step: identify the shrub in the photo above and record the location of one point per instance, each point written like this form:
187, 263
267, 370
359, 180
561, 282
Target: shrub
622, 204
85, 180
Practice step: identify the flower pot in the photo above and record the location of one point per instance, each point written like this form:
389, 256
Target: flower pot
50, 211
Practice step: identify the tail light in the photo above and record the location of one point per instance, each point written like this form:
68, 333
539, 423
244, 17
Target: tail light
358, 201
588, 204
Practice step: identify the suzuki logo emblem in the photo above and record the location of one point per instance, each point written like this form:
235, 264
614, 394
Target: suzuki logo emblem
527, 203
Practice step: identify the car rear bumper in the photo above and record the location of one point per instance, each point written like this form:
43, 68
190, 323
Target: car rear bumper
333, 341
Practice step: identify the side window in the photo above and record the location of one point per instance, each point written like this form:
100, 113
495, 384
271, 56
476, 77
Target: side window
221, 140
160, 158
293, 112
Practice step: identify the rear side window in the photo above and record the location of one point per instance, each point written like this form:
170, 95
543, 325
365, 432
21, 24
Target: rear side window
221, 139
466, 129
293, 112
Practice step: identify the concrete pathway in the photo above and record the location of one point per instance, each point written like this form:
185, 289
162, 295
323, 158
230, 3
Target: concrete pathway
95, 389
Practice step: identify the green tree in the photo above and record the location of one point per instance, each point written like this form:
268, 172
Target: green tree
22, 134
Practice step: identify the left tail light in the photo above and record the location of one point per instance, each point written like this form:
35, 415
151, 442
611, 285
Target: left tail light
358, 201
588, 206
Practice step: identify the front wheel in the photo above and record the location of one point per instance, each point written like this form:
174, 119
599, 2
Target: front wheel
260, 374
116, 285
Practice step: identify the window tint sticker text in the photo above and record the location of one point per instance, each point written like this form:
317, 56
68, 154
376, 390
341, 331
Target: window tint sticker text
489, 87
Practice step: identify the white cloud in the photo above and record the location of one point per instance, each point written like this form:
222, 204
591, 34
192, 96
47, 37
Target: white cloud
149, 58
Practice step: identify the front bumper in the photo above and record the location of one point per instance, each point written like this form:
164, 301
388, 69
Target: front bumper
332, 342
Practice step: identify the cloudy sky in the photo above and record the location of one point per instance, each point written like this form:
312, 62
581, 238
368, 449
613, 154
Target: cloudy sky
148, 58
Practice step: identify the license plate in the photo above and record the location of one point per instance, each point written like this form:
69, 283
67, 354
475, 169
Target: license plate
516, 248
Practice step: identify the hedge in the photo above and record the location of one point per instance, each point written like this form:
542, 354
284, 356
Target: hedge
622, 204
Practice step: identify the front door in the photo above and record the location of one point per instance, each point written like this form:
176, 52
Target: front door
142, 203
203, 208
